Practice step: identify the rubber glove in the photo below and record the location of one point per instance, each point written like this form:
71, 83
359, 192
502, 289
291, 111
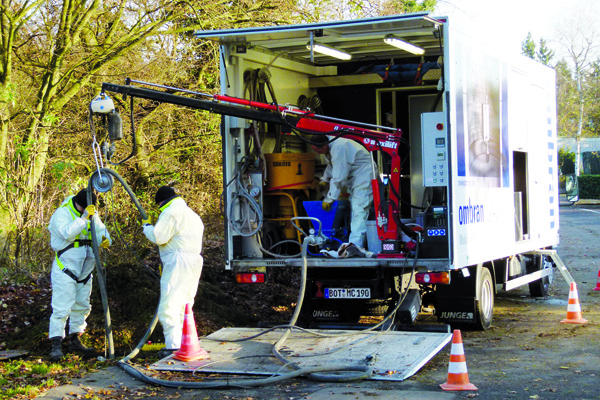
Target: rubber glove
89, 212
327, 206
147, 221
105, 243
323, 185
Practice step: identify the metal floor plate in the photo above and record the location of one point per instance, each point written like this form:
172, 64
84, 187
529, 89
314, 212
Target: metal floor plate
394, 356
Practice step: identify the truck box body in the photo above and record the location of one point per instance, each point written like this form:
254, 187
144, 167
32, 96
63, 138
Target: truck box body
479, 154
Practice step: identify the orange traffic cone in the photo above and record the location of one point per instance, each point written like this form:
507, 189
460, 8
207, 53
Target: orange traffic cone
573, 308
190, 346
458, 378
598, 283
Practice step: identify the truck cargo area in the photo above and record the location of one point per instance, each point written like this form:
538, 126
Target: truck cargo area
462, 141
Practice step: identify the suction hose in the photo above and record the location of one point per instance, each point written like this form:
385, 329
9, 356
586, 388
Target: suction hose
321, 373
99, 270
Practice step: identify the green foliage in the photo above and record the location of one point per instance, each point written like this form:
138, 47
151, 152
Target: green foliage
542, 54
566, 161
589, 186
528, 46
592, 80
390, 7
327, 10
48, 153
567, 100
39, 375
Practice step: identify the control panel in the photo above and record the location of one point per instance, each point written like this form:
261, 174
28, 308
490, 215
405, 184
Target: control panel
434, 136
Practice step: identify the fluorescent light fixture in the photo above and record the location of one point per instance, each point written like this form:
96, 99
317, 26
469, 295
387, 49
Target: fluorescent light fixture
330, 51
401, 44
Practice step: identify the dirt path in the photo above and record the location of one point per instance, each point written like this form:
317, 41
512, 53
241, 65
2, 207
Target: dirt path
526, 354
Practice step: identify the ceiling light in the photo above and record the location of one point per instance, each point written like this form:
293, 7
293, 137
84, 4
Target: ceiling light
329, 51
401, 44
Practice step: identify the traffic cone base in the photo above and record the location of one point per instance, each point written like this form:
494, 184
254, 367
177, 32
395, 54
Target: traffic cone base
573, 308
598, 283
458, 377
190, 345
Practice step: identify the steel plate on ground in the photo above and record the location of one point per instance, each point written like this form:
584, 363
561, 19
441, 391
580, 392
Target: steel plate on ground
394, 356
9, 354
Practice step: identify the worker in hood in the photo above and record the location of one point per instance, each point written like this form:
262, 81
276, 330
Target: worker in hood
351, 165
71, 239
178, 233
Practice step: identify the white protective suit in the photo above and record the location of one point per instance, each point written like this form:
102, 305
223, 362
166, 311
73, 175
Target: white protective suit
351, 165
178, 234
71, 299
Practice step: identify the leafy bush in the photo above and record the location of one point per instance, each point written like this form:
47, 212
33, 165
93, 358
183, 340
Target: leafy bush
566, 161
589, 187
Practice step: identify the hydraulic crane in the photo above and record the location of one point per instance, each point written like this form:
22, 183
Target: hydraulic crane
291, 119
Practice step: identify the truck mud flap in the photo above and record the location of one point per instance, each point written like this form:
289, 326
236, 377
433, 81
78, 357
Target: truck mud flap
456, 310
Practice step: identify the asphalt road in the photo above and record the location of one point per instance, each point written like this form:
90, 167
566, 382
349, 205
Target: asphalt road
526, 354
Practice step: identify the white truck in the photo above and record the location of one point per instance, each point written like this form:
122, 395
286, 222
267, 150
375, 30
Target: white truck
464, 143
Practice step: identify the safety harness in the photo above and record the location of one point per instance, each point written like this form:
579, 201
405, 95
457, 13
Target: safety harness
77, 243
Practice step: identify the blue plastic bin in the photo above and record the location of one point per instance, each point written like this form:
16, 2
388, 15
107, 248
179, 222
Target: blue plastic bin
314, 209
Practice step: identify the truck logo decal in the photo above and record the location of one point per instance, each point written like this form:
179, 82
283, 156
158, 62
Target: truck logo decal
470, 214
388, 144
457, 315
325, 314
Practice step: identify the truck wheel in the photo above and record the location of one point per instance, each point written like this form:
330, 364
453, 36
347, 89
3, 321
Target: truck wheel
484, 300
540, 287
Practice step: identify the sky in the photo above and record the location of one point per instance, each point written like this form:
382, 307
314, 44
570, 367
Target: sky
513, 19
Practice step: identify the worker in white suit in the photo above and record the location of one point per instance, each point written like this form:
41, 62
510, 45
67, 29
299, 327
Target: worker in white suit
71, 239
351, 165
178, 233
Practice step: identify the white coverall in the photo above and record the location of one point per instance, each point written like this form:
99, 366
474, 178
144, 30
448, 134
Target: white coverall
350, 165
71, 299
178, 234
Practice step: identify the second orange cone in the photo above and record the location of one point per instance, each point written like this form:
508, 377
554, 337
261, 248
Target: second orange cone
573, 308
458, 377
598, 283
190, 345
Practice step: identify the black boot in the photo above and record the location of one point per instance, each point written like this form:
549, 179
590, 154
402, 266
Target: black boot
75, 345
56, 352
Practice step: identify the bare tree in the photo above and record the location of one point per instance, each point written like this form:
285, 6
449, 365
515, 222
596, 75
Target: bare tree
579, 37
51, 51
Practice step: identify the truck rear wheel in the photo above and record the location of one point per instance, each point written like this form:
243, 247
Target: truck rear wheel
484, 299
540, 287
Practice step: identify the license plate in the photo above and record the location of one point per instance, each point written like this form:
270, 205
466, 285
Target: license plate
354, 293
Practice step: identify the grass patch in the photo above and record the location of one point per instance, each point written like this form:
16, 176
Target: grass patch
23, 379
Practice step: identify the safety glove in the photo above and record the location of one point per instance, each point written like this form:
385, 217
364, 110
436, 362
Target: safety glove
323, 185
105, 243
327, 206
89, 212
147, 221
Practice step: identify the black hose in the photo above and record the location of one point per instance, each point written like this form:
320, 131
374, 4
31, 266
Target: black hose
99, 270
239, 383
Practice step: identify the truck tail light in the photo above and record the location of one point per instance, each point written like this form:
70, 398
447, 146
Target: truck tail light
428, 278
250, 277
